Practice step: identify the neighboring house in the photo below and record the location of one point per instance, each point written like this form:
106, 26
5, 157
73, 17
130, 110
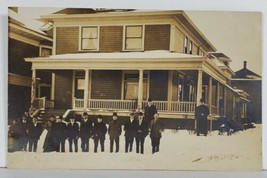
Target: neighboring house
24, 41
250, 82
114, 60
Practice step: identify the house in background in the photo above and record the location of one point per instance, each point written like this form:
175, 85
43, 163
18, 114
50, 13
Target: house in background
250, 82
25, 40
114, 60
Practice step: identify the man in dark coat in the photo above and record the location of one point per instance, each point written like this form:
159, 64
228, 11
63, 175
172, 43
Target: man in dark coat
13, 137
85, 132
35, 131
73, 134
130, 129
49, 143
23, 133
60, 134
114, 131
150, 111
156, 127
201, 114
99, 132
141, 133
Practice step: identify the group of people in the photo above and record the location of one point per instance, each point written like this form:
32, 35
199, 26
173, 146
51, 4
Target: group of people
25, 132
136, 128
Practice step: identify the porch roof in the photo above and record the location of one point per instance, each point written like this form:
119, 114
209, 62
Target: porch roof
148, 60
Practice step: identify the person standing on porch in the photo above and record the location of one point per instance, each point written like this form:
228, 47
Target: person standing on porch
114, 131
73, 134
130, 129
201, 114
99, 132
85, 132
156, 127
142, 131
150, 111
35, 131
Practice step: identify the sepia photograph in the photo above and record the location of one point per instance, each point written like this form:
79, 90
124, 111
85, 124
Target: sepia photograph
134, 89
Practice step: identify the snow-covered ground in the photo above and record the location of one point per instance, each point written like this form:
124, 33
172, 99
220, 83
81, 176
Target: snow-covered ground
178, 151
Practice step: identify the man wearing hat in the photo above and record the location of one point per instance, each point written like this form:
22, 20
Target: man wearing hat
85, 132
150, 111
114, 131
130, 129
73, 133
156, 127
99, 132
35, 131
141, 133
201, 114
60, 134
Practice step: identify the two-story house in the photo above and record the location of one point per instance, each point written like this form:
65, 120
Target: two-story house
24, 40
114, 60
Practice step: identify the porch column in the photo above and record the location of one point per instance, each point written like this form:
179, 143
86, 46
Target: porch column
140, 88
224, 101
33, 87
169, 89
199, 90
86, 88
53, 84
210, 93
199, 86
218, 98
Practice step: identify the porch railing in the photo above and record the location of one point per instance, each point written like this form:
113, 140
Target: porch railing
112, 104
168, 106
42, 103
174, 106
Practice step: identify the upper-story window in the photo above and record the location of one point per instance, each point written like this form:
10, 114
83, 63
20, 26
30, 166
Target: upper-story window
186, 45
190, 47
134, 37
89, 38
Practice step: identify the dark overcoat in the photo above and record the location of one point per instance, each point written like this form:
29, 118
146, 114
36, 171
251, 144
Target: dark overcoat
130, 128
114, 129
99, 130
201, 114
86, 129
142, 129
73, 130
150, 112
35, 131
155, 129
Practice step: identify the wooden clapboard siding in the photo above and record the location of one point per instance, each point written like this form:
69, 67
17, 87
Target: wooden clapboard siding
106, 84
67, 40
179, 40
20, 80
17, 51
229, 103
158, 85
157, 37
175, 86
195, 49
111, 38
63, 89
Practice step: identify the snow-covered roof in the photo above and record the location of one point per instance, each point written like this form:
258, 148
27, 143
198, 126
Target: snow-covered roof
26, 22
122, 55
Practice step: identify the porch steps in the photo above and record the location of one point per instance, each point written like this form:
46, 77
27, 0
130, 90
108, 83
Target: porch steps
45, 114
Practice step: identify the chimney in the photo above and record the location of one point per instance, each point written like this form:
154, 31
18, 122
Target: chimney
245, 64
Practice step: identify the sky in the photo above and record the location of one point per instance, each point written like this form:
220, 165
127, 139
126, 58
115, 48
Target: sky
236, 34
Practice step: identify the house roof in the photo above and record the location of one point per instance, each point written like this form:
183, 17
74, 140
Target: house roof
157, 54
179, 15
26, 28
245, 73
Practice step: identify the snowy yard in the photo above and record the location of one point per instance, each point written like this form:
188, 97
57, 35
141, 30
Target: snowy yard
178, 151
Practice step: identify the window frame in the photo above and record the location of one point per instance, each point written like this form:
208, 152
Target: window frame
125, 37
81, 38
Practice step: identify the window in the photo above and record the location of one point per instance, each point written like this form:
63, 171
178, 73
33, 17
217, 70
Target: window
190, 47
89, 38
134, 37
131, 86
185, 45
